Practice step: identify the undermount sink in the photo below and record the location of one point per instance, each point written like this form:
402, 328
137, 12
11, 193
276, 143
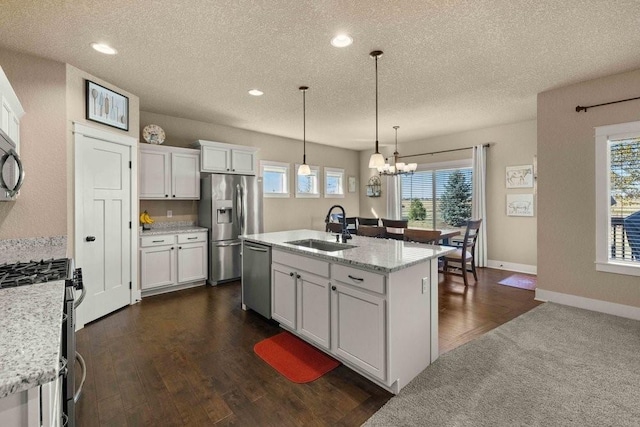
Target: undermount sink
321, 245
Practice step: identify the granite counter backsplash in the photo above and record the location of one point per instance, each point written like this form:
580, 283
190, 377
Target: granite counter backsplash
32, 248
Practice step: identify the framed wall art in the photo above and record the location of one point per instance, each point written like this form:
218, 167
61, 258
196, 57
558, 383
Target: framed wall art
352, 184
519, 204
519, 176
106, 106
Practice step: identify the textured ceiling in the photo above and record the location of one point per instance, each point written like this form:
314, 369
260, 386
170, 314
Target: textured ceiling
448, 65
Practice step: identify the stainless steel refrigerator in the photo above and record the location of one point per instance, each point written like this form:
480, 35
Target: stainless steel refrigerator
230, 205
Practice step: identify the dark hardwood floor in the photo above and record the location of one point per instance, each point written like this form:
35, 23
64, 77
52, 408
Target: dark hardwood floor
186, 359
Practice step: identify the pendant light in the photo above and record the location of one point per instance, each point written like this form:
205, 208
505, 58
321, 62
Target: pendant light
376, 160
397, 168
304, 168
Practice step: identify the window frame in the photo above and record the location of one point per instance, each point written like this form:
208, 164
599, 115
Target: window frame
604, 134
330, 170
287, 180
314, 170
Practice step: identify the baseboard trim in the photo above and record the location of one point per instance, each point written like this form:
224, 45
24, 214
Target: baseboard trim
511, 266
621, 310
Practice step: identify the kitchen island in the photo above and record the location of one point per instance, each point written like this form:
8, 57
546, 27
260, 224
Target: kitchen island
370, 303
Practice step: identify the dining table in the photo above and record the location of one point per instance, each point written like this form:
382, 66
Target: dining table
446, 234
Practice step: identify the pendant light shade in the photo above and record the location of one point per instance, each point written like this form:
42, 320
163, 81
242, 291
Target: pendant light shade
376, 160
304, 168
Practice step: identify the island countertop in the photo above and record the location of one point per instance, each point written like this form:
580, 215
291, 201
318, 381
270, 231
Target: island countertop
385, 255
30, 335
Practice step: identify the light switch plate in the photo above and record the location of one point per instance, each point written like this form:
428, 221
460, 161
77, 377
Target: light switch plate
425, 285
169, 214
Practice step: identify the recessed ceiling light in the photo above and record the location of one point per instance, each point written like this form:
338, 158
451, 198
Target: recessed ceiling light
104, 48
256, 92
341, 40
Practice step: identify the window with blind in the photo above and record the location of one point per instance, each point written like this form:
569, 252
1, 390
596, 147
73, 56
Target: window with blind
308, 185
275, 178
438, 196
618, 198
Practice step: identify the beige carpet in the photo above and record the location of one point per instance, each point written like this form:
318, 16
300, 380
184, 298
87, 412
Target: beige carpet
553, 366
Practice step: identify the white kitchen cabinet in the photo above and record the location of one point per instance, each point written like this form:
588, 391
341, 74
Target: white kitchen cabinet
284, 298
169, 173
172, 261
11, 110
300, 298
358, 321
218, 157
35, 407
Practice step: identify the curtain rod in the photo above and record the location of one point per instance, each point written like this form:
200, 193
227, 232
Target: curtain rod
580, 108
443, 151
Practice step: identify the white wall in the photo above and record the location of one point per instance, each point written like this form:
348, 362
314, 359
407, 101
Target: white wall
279, 214
511, 241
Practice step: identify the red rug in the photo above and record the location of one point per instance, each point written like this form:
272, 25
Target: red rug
295, 359
521, 281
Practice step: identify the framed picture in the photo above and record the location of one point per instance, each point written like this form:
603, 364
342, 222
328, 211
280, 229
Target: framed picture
352, 184
106, 106
519, 176
519, 204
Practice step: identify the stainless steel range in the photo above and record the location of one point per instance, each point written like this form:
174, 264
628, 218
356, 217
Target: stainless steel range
33, 272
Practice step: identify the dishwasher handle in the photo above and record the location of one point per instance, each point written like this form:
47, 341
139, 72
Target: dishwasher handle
253, 248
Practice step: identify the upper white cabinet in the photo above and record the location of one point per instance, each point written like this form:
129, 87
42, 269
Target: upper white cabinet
218, 157
11, 110
169, 173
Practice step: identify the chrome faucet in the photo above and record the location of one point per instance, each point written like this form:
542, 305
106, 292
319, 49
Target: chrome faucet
344, 233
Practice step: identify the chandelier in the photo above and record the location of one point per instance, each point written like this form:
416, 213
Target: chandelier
397, 168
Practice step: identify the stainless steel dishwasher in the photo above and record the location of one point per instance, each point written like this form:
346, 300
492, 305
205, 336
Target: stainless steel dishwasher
256, 278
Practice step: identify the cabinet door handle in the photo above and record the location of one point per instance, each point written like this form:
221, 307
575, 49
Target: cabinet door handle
166, 195
297, 276
291, 274
171, 247
333, 288
179, 247
357, 279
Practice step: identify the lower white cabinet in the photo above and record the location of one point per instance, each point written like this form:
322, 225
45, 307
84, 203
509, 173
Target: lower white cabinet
358, 320
35, 407
347, 320
172, 261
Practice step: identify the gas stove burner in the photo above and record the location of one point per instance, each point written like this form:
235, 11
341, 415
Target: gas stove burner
32, 272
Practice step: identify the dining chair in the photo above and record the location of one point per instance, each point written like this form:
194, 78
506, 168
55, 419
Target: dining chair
465, 253
421, 236
334, 227
370, 231
352, 225
397, 228
367, 221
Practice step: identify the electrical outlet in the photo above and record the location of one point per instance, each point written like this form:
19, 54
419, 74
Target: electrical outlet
169, 214
425, 285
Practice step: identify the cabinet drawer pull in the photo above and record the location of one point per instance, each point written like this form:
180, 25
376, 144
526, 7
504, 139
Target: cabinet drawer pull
191, 238
357, 279
157, 241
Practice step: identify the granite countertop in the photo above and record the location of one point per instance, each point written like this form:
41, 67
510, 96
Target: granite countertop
30, 333
178, 229
372, 253
32, 249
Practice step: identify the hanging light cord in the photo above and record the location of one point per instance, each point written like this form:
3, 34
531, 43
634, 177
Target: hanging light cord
376, 57
304, 126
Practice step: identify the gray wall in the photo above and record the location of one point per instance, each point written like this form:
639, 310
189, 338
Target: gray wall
566, 180
511, 241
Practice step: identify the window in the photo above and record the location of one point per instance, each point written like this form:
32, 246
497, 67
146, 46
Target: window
275, 178
618, 198
333, 182
308, 186
437, 196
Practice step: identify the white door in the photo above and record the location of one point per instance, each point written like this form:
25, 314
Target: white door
103, 229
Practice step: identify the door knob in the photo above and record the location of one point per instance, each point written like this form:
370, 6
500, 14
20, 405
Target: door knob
90, 238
